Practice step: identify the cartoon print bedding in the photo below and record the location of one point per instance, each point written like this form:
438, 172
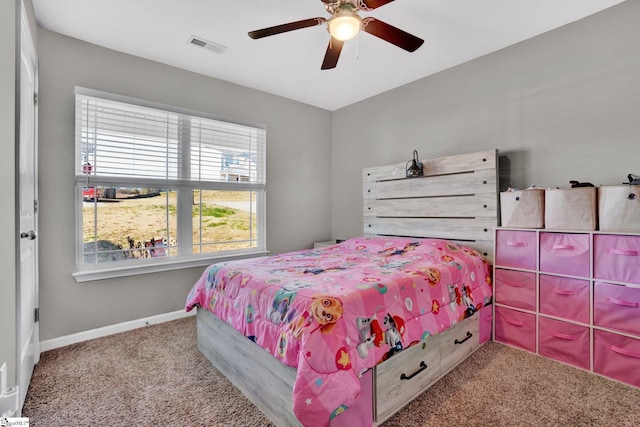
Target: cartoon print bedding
337, 311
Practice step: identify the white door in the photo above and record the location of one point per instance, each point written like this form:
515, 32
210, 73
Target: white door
27, 293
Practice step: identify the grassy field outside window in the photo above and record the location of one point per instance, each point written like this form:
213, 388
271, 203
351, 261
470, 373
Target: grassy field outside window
133, 224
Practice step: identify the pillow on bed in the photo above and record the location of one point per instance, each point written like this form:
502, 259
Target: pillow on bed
386, 245
390, 246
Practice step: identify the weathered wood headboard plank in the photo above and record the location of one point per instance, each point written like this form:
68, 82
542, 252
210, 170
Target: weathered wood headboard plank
456, 199
441, 228
439, 166
480, 182
468, 206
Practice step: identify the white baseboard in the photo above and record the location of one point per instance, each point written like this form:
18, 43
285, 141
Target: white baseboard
112, 329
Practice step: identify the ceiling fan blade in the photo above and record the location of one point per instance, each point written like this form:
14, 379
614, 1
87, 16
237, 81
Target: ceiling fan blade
371, 4
279, 29
332, 54
391, 34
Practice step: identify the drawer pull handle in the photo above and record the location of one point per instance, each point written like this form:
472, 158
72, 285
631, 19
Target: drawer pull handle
562, 336
469, 335
624, 352
623, 303
423, 366
622, 252
513, 284
517, 244
563, 247
565, 293
514, 322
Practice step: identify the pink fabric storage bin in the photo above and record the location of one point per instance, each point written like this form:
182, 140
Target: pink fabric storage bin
486, 324
616, 307
564, 297
616, 258
565, 253
617, 357
515, 288
515, 328
516, 249
565, 342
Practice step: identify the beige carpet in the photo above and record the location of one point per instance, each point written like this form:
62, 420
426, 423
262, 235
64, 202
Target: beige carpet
155, 376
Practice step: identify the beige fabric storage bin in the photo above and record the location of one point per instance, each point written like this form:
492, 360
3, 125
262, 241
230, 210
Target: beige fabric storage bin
571, 209
522, 209
619, 208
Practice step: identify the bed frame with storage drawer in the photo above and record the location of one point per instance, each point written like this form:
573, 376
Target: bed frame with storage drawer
268, 384
456, 199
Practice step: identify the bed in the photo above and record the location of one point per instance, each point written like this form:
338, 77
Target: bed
350, 333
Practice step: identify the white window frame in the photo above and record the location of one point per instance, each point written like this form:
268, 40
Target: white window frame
185, 259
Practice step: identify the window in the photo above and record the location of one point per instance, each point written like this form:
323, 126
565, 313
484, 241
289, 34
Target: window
158, 185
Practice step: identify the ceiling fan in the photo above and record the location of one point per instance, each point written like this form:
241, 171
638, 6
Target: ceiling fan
344, 24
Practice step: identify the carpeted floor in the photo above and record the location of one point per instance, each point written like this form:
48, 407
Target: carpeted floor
155, 376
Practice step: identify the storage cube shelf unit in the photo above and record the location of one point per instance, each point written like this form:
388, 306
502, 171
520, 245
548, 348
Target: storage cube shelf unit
572, 296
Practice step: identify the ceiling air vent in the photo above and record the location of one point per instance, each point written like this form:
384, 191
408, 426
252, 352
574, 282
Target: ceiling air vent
206, 44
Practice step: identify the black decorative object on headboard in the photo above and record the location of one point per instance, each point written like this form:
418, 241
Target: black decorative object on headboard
633, 179
416, 167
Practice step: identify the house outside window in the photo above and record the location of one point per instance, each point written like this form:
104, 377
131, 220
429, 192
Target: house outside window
160, 186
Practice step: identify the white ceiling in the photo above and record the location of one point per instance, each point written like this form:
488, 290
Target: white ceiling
288, 65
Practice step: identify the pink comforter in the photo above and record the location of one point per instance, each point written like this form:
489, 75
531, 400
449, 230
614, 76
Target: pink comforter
335, 312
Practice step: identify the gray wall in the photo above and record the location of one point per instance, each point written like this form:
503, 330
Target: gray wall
564, 105
298, 182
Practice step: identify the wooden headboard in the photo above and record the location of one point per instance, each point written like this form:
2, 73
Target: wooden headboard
456, 199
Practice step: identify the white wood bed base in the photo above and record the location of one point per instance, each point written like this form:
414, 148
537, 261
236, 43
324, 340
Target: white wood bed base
457, 199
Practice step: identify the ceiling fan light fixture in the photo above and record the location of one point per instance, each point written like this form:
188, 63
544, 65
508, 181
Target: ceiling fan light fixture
344, 24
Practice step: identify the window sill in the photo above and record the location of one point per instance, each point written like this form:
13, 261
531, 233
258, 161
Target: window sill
164, 265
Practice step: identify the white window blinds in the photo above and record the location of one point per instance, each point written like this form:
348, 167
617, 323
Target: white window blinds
118, 142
